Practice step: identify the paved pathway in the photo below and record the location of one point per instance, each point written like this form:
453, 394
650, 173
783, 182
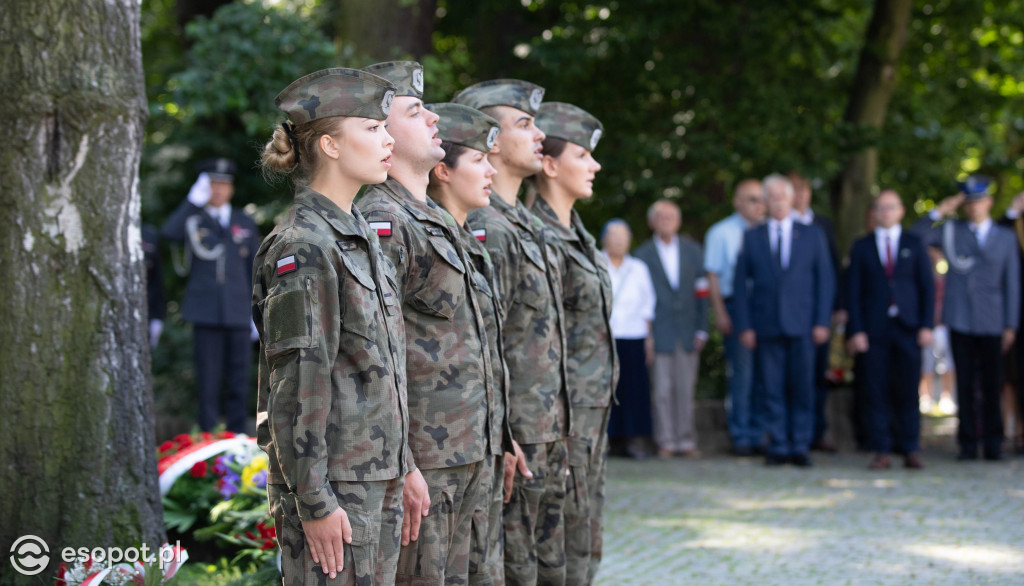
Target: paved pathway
722, 520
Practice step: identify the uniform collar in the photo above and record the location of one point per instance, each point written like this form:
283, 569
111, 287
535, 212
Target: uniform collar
347, 224
424, 211
545, 212
518, 215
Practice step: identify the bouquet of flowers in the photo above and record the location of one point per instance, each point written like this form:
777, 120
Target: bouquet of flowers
214, 485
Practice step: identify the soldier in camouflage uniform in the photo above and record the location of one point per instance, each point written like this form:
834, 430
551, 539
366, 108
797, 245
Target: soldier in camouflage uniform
448, 361
567, 175
533, 335
332, 414
459, 183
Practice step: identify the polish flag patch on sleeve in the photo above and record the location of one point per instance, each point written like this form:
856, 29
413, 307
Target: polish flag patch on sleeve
480, 235
286, 265
381, 228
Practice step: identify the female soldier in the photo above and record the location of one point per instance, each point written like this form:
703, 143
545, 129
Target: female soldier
331, 414
567, 175
459, 183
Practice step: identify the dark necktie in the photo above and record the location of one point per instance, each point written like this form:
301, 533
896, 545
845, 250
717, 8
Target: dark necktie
890, 266
778, 245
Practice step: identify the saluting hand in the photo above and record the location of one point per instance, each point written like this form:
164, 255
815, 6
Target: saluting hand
326, 538
949, 205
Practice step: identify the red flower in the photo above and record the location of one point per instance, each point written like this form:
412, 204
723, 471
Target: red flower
268, 544
199, 470
62, 571
183, 440
228, 434
166, 446
266, 531
207, 436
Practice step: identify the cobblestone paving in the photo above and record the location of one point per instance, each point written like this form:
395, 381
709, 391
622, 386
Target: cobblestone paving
723, 520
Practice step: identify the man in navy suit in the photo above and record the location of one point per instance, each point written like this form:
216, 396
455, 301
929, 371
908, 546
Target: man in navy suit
981, 308
220, 243
783, 291
803, 213
891, 305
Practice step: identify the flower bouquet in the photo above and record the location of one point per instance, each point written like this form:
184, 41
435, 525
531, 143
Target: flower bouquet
214, 488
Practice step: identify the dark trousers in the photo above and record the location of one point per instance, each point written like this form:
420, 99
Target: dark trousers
222, 355
890, 372
979, 358
821, 355
785, 370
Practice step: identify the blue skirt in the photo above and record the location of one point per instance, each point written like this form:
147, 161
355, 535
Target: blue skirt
632, 416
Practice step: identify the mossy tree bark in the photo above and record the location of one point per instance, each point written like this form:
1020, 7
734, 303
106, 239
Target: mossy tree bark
369, 25
76, 410
872, 90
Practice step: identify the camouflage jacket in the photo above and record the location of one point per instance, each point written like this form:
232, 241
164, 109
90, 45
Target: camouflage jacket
534, 338
499, 435
591, 361
331, 396
447, 360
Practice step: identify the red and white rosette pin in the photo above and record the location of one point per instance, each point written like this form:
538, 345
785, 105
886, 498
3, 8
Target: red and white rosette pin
701, 288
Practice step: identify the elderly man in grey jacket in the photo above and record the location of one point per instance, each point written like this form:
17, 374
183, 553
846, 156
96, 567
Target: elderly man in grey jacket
981, 308
680, 314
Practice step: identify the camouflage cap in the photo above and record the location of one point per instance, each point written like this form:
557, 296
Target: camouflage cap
502, 92
571, 123
336, 92
466, 126
406, 75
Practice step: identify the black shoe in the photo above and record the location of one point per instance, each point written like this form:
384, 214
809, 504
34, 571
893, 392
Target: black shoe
967, 456
801, 460
774, 460
993, 455
742, 451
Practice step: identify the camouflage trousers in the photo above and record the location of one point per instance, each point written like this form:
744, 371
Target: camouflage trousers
441, 553
487, 548
375, 512
584, 501
534, 523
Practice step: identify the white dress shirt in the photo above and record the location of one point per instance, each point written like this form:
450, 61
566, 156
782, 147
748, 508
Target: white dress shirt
894, 242
633, 298
981, 230
787, 237
669, 255
221, 214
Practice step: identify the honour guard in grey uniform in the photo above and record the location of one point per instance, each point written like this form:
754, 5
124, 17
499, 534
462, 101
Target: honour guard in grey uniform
981, 308
220, 243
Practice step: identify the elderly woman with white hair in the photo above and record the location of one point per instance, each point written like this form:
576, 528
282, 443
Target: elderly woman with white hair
633, 302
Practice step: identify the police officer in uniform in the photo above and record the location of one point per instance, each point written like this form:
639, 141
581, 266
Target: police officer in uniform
220, 243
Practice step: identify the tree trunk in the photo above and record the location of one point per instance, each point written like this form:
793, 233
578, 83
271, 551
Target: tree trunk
76, 410
872, 90
370, 26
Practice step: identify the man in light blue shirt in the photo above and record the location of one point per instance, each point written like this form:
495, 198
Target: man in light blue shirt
721, 249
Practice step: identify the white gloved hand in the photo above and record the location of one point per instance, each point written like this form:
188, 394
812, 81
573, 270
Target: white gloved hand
254, 334
156, 327
199, 195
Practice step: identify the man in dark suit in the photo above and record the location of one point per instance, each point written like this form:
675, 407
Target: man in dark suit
680, 312
891, 305
803, 213
783, 292
220, 243
156, 304
981, 308
1014, 220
